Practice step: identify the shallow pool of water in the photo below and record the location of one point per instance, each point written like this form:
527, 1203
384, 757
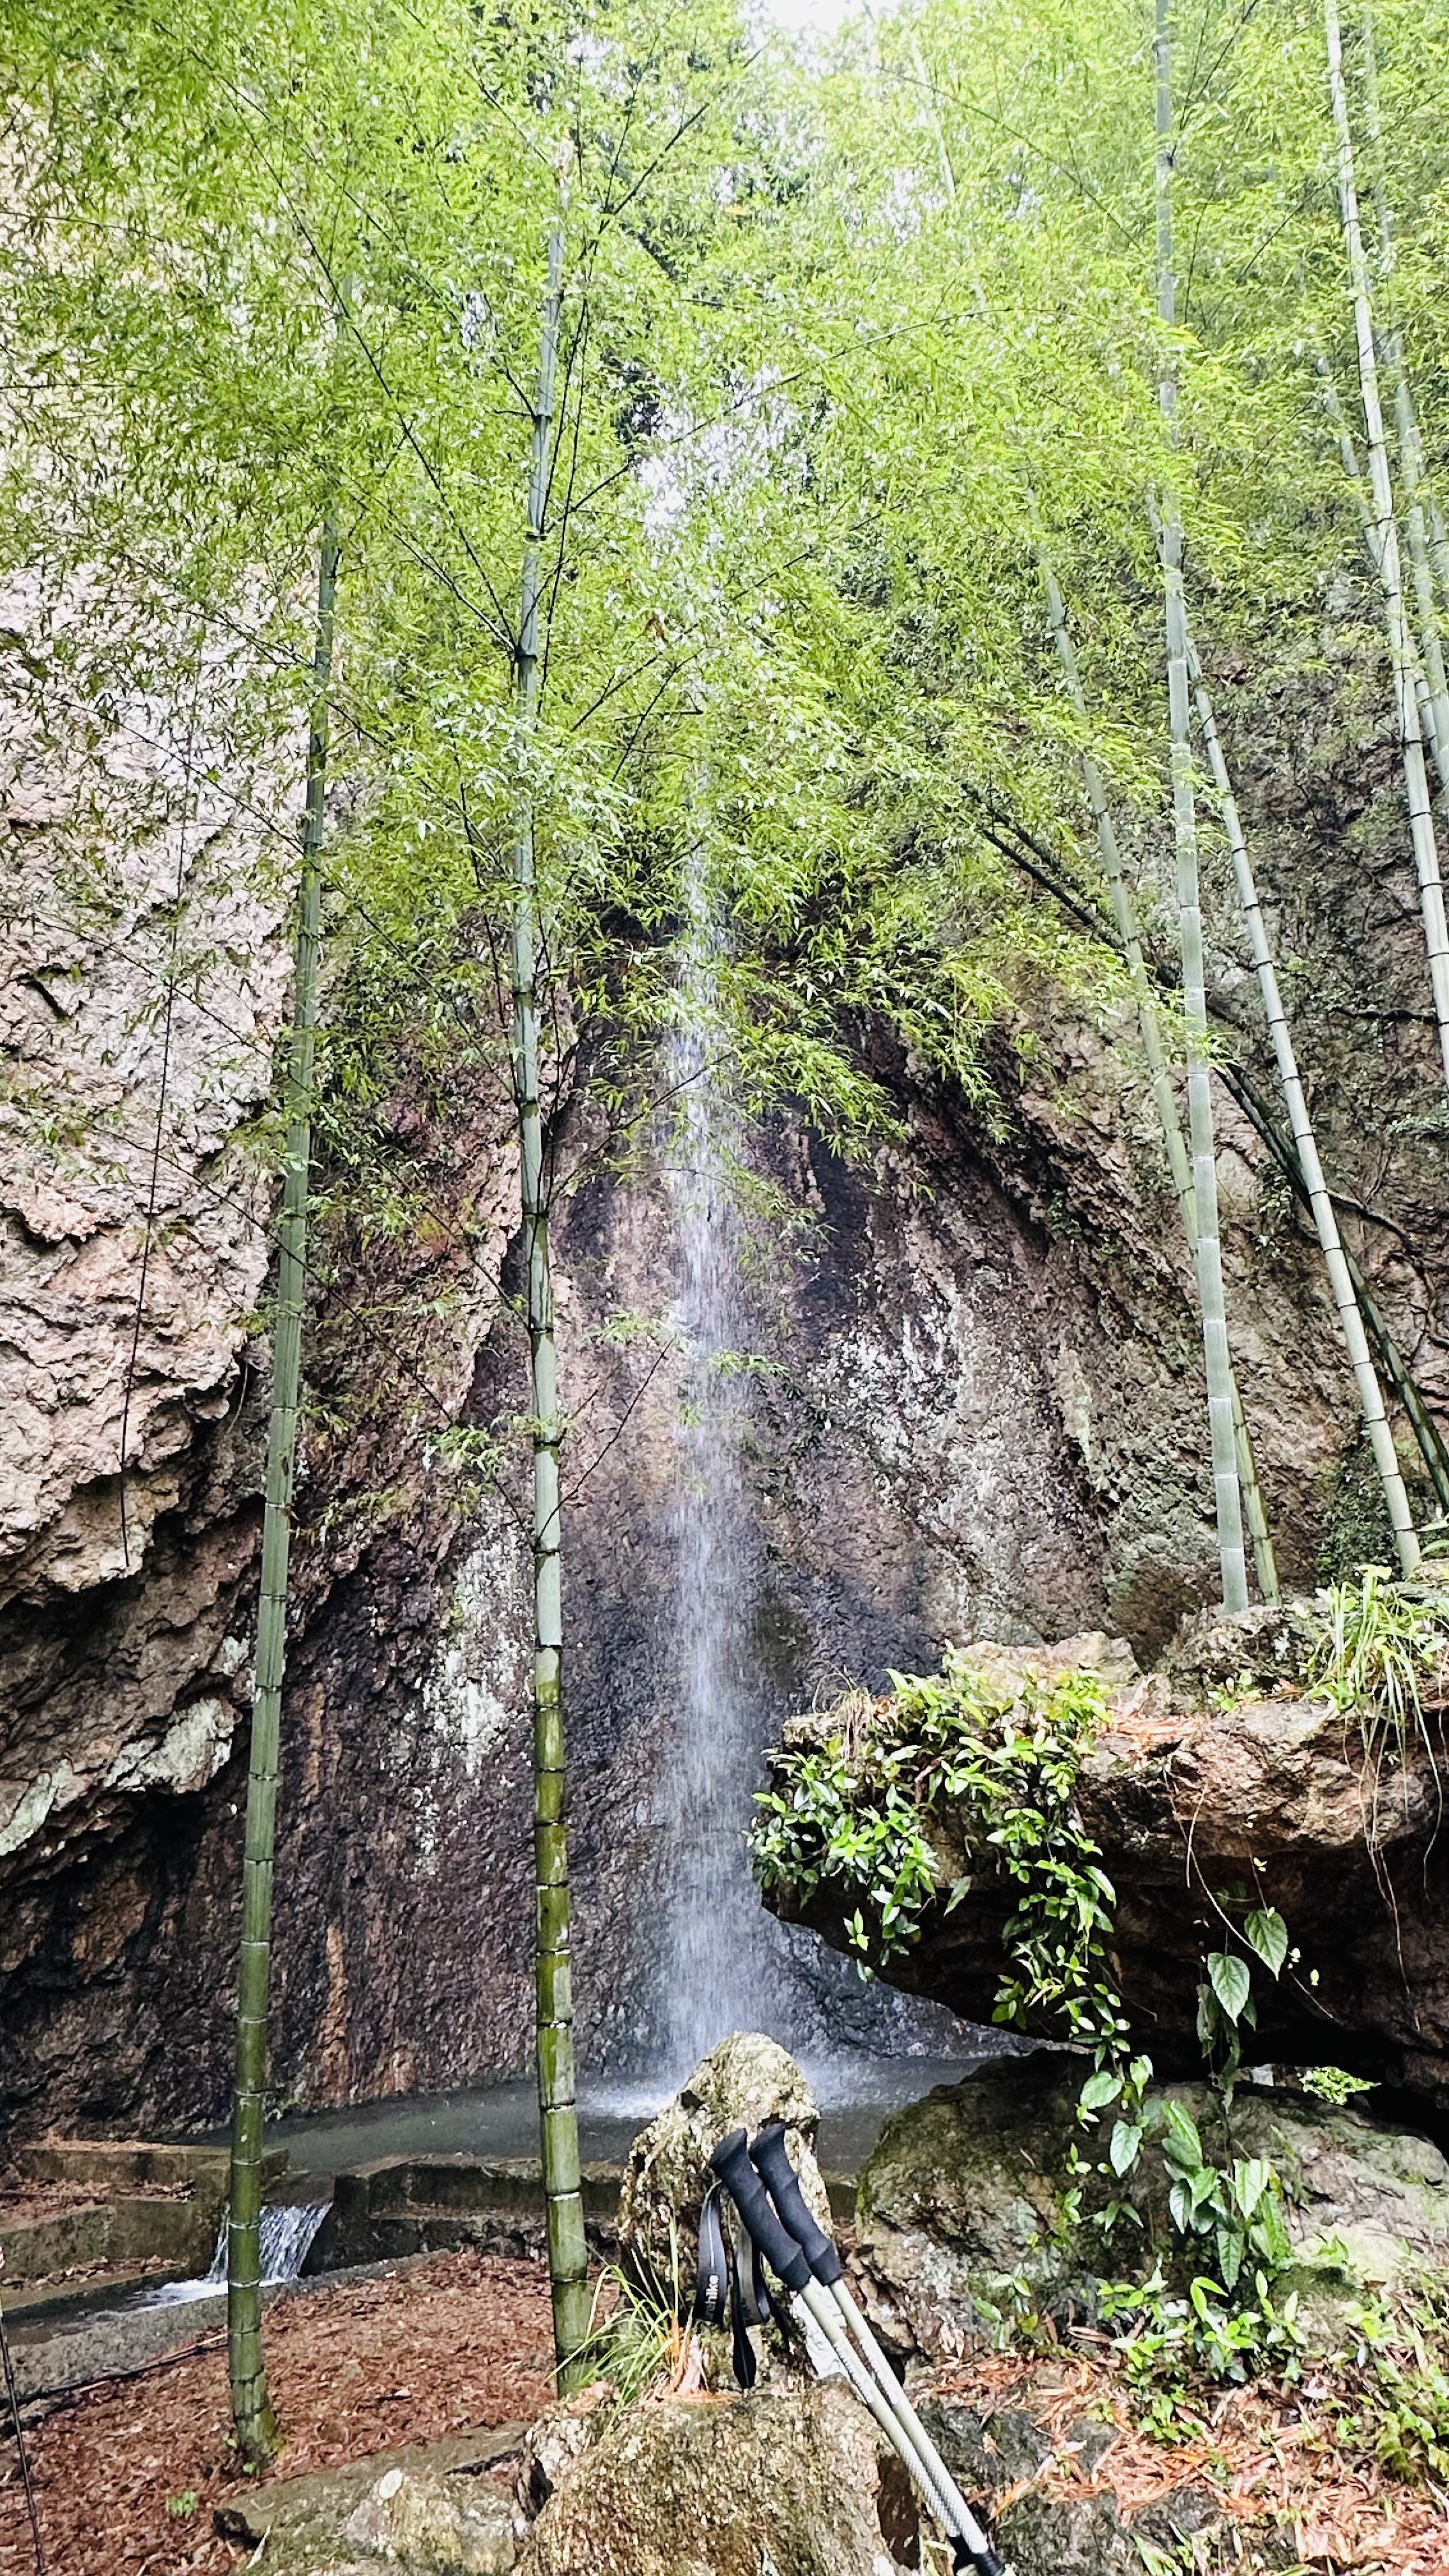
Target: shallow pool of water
856, 2097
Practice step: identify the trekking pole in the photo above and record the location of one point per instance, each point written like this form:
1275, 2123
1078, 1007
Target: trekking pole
787, 2258
771, 2158
767, 2232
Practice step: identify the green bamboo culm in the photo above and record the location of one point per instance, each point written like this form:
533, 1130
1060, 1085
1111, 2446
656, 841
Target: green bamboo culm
1227, 1492
557, 2109
1149, 1022
1434, 695
1435, 731
253, 2420
1351, 1323
1402, 655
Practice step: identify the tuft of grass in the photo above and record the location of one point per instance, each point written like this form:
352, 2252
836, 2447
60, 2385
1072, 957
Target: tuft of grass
1383, 1641
635, 2337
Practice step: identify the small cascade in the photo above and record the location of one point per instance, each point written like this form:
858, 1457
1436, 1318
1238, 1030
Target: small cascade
287, 2230
719, 1961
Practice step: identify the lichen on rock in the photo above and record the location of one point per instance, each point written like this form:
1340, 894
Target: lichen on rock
744, 2082
430, 2513
722, 2487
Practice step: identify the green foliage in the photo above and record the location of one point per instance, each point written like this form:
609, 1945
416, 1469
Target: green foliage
1391, 2398
1382, 1641
1173, 2335
856, 1811
872, 1813
1238, 2209
633, 2336
1333, 2084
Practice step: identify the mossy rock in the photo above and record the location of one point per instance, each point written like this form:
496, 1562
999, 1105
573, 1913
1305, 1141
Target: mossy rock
430, 2511
786, 2480
744, 2082
966, 2192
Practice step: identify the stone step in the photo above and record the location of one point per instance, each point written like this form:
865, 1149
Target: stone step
148, 2205
432, 2204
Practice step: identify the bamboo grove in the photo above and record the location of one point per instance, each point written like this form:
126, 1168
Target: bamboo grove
937, 436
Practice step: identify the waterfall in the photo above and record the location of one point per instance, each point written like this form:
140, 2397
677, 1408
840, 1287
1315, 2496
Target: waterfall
287, 2230
720, 1965
724, 1962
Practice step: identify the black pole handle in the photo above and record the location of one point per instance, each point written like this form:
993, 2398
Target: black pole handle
731, 2161
771, 2157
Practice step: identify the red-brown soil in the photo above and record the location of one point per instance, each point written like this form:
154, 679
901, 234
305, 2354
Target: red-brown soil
127, 2477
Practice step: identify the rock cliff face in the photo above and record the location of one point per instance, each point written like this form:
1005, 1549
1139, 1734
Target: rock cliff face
979, 1409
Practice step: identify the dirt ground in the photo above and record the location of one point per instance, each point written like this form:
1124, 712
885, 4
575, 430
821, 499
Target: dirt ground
1274, 2459
127, 2477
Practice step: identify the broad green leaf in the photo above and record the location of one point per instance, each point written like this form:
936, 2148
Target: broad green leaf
1250, 2180
1267, 1933
1126, 2144
1230, 2255
1100, 2089
1183, 2142
1230, 1981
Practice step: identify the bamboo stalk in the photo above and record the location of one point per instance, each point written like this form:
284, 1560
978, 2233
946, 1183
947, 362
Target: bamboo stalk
558, 2117
1149, 1022
1421, 826
253, 2418
1432, 1446
1348, 457
1411, 452
1439, 552
1370, 1397
1226, 1490
1124, 911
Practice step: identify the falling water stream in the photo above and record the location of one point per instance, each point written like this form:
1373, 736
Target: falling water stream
287, 2230
726, 1964
721, 1962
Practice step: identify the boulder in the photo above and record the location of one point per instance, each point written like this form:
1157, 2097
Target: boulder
967, 2190
1005, 2458
431, 2511
788, 2481
426, 2521
744, 2082
1218, 1783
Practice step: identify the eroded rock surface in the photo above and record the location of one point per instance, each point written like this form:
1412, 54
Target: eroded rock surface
965, 2194
1005, 2458
431, 2511
722, 2487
